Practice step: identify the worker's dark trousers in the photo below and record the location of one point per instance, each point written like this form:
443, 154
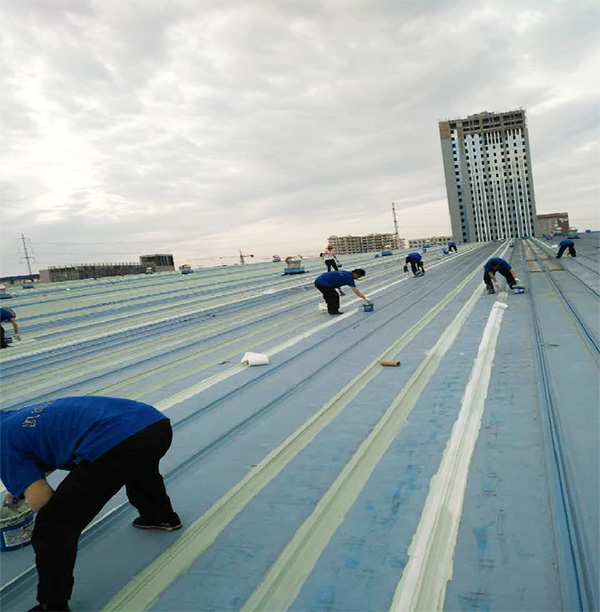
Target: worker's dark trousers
452, 247
416, 266
332, 297
83, 493
562, 249
510, 279
3, 343
330, 263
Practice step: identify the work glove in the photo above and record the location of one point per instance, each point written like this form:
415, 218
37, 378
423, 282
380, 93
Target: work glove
368, 300
18, 337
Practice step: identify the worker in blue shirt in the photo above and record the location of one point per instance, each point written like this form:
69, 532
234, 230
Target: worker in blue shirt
328, 283
452, 247
566, 244
416, 263
105, 443
497, 264
8, 314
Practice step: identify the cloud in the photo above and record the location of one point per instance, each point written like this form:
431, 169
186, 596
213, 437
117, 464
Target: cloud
203, 128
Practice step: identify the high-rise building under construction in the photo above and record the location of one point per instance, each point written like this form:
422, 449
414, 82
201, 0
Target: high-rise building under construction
487, 165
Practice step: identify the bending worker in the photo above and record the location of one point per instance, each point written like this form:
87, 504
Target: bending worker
452, 247
8, 314
105, 443
328, 282
416, 263
566, 244
496, 264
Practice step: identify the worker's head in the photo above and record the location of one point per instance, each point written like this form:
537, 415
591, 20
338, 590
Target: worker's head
329, 247
494, 264
358, 273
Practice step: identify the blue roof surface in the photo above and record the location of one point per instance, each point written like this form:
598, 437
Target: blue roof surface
467, 478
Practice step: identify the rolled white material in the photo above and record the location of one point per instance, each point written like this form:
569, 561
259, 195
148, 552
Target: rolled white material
254, 359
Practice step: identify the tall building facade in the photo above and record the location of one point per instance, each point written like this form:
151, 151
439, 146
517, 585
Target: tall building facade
487, 165
345, 245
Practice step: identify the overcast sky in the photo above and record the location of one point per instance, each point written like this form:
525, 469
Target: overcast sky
199, 128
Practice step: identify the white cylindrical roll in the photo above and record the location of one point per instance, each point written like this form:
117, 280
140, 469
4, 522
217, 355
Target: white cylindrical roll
254, 359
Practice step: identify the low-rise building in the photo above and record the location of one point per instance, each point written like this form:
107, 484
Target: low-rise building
419, 243
553, 222
158, 263
346, 245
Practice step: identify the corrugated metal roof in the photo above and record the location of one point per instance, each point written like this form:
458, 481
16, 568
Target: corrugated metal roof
465, 478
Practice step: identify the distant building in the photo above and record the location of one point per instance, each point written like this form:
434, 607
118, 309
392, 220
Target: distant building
19, 280
345, 245
159, 263
553, 222
419, 243
487, 165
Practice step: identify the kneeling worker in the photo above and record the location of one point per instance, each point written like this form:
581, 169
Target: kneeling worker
416, 263
328, 282
566, 244
105, 443
496, 264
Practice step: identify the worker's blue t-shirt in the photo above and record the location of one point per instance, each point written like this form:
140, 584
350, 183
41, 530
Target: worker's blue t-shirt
6, 315
566, 243
452, 244
503, 266
62, 433
413, 257
336, 279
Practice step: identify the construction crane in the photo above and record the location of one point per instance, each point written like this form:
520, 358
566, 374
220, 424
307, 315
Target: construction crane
242, 262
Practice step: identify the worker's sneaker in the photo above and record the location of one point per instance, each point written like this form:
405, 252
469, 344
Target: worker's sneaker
59, 607
172, 525
336, 313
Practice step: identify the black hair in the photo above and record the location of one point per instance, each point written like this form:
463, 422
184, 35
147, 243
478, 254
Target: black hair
494, 264
359, 272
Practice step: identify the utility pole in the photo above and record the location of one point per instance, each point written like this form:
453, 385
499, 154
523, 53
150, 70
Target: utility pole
27, 256
396, 226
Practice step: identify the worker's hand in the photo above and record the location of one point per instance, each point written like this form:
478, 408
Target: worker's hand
367, 299
12, 502
18, 337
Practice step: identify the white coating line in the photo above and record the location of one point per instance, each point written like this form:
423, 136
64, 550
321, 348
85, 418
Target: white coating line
429, 568
146, 587
281, 585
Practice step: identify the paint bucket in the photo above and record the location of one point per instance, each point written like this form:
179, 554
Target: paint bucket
368, 307
518, 290
16, 527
